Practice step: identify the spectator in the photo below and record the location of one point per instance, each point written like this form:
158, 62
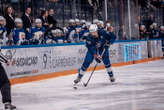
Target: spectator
18, 33
149, 22
51, 20
27, 19
9, 19
43, 17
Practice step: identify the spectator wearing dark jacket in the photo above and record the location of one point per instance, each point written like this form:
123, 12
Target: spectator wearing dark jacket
9, 19
43, 17
51, 20
27, 19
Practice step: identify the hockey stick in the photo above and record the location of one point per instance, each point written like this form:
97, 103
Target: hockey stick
86, 84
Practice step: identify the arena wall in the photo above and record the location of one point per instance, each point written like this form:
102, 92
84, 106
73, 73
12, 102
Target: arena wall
38, 62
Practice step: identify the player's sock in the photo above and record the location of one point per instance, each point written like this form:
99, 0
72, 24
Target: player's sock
79, 77
9, 106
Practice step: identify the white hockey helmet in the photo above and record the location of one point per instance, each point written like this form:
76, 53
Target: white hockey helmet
161, 27
154, 24
95, 21
101, 23
142, 26
77, 20
53, 31
18, 20
38, 20
2, 18
58, 31
88, 24
93, 28
71, 21
83, 21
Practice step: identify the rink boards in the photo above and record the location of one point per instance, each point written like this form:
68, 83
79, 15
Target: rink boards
31, 63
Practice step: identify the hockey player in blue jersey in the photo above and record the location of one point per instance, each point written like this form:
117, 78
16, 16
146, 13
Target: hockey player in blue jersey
72, 34
85, 31
3, 32
70, 29
18, 33
96, 42
55, 37
101, 25
36, 34
83, 23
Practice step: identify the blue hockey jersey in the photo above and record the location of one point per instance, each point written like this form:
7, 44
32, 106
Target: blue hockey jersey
18, 36
36, 35
93, 44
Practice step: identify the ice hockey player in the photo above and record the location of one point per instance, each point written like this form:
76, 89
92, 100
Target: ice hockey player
83, 23
77, 30
5, 86
18, 33
96, 42
55, 37
72, 35
71, 29
36, 35
85, 31
96, 21
3, 32
101, 25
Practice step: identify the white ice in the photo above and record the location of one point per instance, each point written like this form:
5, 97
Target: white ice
138, 87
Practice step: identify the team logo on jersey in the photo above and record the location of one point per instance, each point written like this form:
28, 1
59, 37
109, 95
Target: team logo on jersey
38, 34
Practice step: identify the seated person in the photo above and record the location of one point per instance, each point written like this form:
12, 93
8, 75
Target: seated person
18, 33
55, 37
143, 33
3, 32
36, 34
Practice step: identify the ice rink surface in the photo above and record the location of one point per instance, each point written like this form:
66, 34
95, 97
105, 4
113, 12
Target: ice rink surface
137, 87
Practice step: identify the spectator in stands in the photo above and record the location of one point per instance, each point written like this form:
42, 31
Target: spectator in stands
148, 22
51, 20
43, 17
27, 22
9, 19
143, 32
19, 33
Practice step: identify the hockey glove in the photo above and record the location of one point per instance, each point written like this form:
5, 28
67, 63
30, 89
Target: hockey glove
108, 44
98, 58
